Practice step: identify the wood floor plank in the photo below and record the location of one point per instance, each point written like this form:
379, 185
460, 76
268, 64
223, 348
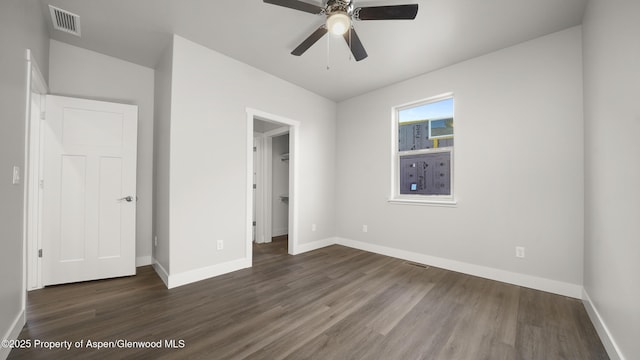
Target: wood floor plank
476, 334
549, 328
332, 303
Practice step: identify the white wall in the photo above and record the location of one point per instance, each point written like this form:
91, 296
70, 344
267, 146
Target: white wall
518, 164
78, 72
612, 170
280, 186
162, 147
208, 161
21, 27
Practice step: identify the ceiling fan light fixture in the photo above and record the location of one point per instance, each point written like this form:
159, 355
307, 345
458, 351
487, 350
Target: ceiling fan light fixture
338, 23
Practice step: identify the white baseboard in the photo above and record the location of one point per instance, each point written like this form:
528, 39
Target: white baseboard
162, 273
314, 245
12, 333
603, 331
529, 281
191, 276
143, 260
533, 282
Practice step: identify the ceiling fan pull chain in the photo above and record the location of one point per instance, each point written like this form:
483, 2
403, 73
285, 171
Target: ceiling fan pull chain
328, 50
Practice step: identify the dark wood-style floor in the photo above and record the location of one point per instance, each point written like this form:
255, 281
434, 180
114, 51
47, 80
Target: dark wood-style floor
332, 303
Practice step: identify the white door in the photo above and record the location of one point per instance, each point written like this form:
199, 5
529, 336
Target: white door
89, 201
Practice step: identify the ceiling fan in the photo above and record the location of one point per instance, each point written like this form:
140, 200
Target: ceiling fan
340, 14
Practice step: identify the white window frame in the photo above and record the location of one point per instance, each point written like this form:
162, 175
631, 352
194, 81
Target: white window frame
418, 199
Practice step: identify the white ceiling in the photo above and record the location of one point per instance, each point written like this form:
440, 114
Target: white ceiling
262, 35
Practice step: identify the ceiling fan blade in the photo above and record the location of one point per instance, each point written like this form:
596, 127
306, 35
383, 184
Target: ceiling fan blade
353, 41
297, 5
393, 12
308, 42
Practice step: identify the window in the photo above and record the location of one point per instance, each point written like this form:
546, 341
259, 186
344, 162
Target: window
423, 152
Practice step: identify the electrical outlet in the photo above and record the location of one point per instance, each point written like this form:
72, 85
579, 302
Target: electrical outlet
314, 227
220, 244
155, 240
16, 175
520, 251
365, 228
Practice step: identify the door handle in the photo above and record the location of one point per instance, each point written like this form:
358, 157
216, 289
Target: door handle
127, 198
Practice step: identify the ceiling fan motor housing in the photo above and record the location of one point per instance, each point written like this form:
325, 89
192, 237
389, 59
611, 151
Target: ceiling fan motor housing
343, 6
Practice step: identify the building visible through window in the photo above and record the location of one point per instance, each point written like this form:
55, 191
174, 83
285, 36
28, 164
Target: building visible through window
425, 148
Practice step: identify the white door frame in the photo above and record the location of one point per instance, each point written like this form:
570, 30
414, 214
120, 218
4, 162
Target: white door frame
36, 86
293, 127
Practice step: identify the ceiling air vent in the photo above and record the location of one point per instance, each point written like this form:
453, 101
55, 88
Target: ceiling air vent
65, 21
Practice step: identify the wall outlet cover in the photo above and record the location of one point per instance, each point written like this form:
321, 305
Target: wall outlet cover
16, 175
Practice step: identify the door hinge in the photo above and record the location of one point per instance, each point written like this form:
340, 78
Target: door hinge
41, 183
254, 223
40, 253
255, 148
43, 115
255, 186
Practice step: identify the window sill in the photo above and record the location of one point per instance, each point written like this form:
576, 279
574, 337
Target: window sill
424, 202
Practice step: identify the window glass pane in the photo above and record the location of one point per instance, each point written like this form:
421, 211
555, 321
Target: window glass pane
420, 125
426, 174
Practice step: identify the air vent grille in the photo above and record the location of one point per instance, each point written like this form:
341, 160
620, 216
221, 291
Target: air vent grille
65, 21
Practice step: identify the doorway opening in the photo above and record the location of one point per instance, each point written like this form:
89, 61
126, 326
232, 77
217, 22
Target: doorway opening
271, 202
